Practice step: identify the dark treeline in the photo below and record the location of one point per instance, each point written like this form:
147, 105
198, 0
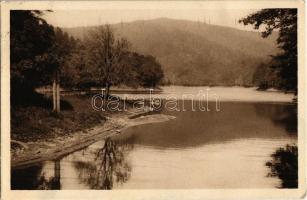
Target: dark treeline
281, 71
33, 59
38, 51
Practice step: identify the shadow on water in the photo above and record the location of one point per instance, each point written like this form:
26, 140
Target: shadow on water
34, 178
284, 165
280, 115
109, 166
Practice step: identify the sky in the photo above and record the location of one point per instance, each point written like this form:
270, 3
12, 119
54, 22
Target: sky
77, 18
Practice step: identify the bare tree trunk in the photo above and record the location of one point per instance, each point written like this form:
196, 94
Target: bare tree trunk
108, 90
106, 96
58, 93
54, 92
57, 175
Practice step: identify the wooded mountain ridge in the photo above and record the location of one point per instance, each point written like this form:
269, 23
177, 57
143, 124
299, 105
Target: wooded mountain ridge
195, 53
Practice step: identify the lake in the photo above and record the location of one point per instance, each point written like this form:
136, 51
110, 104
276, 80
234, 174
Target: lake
228, 148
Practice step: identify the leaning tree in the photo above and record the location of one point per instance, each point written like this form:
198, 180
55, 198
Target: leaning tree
285, 22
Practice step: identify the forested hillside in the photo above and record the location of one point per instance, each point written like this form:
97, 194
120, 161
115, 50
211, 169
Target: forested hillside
194, 53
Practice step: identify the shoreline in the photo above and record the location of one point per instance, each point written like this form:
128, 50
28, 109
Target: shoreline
113, 126
52, 148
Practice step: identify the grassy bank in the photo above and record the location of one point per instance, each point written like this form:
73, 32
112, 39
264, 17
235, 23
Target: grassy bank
34, 121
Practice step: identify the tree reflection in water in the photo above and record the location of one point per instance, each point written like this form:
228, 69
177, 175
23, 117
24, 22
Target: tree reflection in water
53, 183
35, 178
285, 166
109, 165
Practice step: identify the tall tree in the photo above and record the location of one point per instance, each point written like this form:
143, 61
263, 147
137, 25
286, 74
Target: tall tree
285, 22
31, 41
62, 49
106, 53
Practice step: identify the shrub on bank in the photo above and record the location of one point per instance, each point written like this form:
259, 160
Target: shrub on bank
285, 166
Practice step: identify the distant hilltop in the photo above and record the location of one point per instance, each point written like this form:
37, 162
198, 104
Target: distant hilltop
196, 53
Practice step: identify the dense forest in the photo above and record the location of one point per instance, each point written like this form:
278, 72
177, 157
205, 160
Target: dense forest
101, 59
196, 53
46, 56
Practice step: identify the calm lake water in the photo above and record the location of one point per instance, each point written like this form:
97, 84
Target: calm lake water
199, 149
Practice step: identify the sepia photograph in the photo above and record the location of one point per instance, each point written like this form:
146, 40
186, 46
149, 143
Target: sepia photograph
156, 95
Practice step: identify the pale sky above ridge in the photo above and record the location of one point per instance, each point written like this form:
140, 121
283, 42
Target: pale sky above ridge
77, 18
